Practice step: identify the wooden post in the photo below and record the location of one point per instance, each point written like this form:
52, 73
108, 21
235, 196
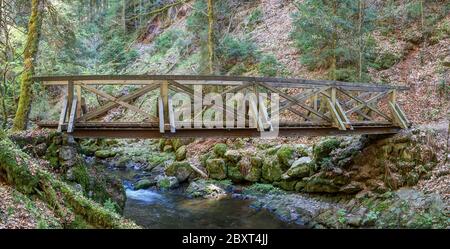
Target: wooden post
70, 89
79, 101
333, 96
164, 92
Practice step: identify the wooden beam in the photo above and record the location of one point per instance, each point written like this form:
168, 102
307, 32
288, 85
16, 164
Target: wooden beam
366, 104
397, 117
162, 127
110, 105
116, 100
70, 93
164, 93
62, 116
171, 115
79, 102
73, 111
335, 115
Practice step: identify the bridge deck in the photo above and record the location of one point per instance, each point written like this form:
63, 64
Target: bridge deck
321, 107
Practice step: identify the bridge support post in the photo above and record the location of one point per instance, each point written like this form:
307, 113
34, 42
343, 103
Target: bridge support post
164, 93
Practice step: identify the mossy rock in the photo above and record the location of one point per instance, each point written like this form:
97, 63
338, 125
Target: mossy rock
302, 150
320, 185
286, 155
216, 168
81, 176
180, 153
103, 154
167, 182
144, 184
323, 149
286, 185
168, 149
302, 167
234, 173
220, 150
89, 150
255, 172
176, 143
271, 170
181, 170
52, 155
233, 156
161, 144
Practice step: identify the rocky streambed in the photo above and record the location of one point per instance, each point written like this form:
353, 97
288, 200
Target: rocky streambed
337, 183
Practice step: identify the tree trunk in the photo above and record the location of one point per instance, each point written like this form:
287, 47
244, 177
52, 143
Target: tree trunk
361, 48
31, 49
124, 18
211, 35
334, 59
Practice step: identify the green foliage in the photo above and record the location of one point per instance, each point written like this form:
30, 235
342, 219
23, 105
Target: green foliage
232, 51
325, 33
111, 206
269, 66
220, 150
254, 18
165, 41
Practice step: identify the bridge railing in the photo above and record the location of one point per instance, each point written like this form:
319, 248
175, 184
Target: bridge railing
341, 106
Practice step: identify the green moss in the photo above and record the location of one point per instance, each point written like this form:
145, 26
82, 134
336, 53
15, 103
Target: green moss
220, 150
261, 188
216, 169
271, 170
105, 154
81, 176
323, 149
52, 155
180, 153
285, 155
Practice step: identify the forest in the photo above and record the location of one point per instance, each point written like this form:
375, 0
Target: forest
48, 179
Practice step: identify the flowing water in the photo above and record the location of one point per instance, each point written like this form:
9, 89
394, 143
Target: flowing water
156, 209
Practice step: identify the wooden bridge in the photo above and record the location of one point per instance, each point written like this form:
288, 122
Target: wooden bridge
305, 107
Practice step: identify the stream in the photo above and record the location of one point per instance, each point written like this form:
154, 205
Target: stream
166, 209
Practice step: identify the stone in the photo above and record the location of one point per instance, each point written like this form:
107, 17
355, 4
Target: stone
234, 173
176, 143
352, 188
286, 185
205, 189
216, 168
324, 148
286, 155
123, 162
180, 153
144, 184
220, 150
299, 169
40, 149
302, 150
253, 174
166, 182
103, 154
68, 156
320, 185
168, 148
271, 170
233, 156
181, 170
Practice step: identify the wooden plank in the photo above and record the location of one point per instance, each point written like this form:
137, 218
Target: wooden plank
73, 111
162, 127
171, 115
302, 96
208, 79
344, 117
336, 117
267, 124
70, 88
79, 102
397, 117
256, 116
62, 116
116, 100
402, 114
164, 93
110, 105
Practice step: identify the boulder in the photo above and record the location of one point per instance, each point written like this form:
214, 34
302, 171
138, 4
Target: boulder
144, 184
168, 148
180, 153
271, 170
299, 169
40, 149
166, 182
320, 185
205, 189
220, 150
68, 156
286, 155
323, 149
103, 154
180, 170
216, 168
286, 185
234, 173
233, 156
254, 172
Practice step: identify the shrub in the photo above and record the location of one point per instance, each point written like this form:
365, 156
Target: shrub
269, 66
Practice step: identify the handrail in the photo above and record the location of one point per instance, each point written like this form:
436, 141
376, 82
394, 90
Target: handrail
213, 80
